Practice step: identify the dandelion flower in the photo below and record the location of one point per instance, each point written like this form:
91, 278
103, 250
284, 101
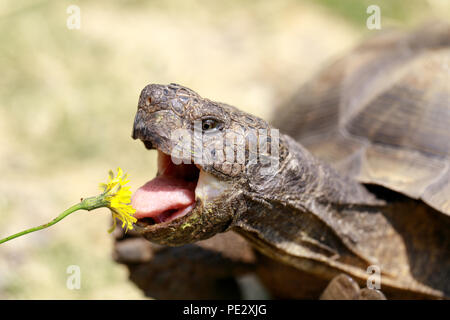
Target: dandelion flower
118, 198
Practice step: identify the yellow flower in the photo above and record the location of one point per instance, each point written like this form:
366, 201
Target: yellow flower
115, 196
118, 198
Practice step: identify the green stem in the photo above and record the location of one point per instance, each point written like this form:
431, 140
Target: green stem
86, 204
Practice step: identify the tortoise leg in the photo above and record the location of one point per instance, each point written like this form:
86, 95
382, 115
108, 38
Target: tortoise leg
286, 282
343, 287
204, 270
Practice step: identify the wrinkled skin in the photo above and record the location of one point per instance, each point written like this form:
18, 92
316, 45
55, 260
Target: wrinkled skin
164, 109
308, 223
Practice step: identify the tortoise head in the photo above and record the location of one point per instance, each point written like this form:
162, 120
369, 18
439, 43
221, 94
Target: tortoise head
210, 155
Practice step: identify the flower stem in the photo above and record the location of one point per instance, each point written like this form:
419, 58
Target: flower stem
86, 204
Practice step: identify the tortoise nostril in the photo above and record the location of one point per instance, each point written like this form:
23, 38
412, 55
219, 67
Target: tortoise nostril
149, 101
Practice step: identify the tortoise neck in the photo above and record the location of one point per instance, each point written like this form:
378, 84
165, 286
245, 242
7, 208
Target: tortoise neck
303, 182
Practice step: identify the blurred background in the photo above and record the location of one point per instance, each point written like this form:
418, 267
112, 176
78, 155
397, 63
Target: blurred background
68, 98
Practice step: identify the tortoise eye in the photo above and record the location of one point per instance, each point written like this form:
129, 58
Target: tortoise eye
210, 124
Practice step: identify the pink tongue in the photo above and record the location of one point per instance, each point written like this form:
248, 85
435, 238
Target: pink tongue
161, 194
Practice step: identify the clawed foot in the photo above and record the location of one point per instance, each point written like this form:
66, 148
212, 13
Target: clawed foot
343, 287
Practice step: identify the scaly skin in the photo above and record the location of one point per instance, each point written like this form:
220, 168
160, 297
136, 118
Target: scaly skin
305, 215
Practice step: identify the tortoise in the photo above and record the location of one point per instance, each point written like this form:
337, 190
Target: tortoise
356, 179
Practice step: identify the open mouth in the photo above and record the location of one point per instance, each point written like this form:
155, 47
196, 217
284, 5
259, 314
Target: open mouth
170, 195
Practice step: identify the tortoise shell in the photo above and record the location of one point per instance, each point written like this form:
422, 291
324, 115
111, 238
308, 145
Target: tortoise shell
382, 114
